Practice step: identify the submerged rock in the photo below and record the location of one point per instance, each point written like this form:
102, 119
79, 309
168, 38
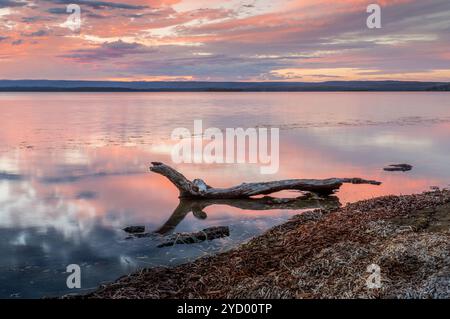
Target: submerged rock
143, 235
398, 168
134, 229
197, 237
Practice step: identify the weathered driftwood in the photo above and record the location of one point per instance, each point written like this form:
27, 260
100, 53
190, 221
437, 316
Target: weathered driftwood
197, 206
199, 189
197, 237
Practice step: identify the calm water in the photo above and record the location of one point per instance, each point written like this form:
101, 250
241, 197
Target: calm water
74, 171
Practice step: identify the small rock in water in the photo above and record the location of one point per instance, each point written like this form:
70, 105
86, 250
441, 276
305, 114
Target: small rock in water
210, 233
398, 168
142, 235
134, 229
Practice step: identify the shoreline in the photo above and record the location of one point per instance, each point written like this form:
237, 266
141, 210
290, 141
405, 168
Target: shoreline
319, 254
227, 86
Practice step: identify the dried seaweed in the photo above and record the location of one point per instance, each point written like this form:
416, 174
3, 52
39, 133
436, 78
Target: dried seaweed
320, 254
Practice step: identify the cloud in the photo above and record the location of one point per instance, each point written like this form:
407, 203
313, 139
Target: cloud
12, 3
33, 19
100, 4
86, 195
106, 51
10, 176
231, 40
58, 11
39, 33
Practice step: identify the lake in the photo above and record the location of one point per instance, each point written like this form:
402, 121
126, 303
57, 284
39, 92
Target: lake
74, 171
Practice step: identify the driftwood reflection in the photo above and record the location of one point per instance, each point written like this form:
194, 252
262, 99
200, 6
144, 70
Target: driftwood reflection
197, 206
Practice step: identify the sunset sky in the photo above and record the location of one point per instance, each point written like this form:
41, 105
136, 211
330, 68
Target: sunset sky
227, 40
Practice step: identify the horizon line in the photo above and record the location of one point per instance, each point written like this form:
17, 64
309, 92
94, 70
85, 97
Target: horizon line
224, 81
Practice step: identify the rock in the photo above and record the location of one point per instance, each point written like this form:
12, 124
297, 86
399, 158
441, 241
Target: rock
398, 168
134, 229
197, 237
143, 235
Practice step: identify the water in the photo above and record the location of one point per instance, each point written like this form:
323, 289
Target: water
74, 171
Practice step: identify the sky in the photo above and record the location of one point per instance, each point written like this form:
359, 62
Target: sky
226, 40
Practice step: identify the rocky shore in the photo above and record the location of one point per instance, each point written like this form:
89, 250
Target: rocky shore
320, 254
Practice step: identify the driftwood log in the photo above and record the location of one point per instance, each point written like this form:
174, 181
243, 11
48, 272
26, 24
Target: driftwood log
199, 189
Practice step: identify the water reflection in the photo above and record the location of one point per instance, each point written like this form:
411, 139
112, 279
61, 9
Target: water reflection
74, 172
197, 207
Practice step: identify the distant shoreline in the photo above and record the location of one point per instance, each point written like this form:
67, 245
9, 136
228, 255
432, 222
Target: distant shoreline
115, 86
107, 90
